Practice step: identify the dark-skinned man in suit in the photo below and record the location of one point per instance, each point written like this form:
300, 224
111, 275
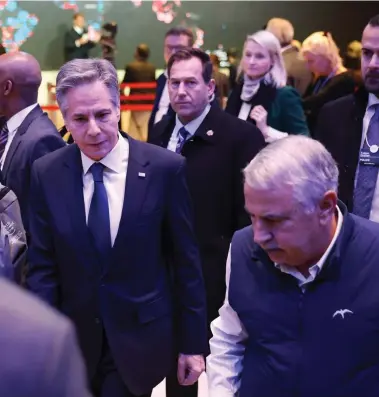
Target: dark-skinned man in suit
112, 243
28, 133
217, 146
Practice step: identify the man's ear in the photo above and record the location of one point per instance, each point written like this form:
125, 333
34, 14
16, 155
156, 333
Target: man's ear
327, 206
211, 87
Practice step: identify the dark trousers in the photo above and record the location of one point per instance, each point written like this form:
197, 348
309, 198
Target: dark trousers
107, 381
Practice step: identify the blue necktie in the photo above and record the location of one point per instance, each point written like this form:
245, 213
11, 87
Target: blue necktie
367, 174
183, 135
98, 216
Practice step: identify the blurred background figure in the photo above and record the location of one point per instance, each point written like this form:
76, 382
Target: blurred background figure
262, 97
140, 71
353, 60
233, 60
298, 75
222, 81
296, 44
77, 42
2, 50
331, 78
108, 41
41, 356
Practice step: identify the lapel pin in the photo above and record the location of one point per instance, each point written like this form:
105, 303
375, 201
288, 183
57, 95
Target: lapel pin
210, 133
141, 174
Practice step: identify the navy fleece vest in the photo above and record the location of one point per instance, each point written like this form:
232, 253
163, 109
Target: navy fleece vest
299, 345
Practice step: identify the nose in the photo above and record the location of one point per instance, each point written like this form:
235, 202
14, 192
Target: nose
374, 61
93, 128
181, 89
262, 234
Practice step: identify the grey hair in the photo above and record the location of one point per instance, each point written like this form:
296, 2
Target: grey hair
84, 71
296, 161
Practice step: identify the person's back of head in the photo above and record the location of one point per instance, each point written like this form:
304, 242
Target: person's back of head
282, 29
142, 52
20, 77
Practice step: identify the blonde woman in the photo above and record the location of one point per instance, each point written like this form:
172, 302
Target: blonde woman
262, 96
332, 80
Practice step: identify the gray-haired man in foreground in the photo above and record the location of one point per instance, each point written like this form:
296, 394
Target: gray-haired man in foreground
301, 312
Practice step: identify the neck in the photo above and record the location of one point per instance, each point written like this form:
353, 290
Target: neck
186, 120
9, 113
328, 234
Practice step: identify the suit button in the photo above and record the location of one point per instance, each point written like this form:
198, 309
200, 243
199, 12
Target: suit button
97, 320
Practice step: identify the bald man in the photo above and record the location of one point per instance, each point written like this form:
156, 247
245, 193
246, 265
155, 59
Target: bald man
26, 131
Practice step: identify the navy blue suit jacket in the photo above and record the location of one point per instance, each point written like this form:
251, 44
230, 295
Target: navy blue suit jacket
147, 317
36, 136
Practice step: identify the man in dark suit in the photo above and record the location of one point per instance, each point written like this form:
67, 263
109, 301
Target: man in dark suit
41, 356
76, 41
113, 244
349, 129
298, 75
176, 39
140, 71
217, 146
28, 132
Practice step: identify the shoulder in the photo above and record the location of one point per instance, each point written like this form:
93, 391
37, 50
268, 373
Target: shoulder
235, 129
29, 320
342, 103
288, 93
159, 157
52, 160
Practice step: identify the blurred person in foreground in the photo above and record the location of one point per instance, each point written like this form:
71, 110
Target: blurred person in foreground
40, 353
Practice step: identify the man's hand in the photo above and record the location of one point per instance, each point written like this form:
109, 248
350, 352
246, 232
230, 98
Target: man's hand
189, 369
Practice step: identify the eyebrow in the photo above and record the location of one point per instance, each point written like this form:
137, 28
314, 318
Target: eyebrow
97, 112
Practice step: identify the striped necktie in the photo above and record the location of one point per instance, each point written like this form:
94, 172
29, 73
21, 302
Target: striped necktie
3, 138
183, 136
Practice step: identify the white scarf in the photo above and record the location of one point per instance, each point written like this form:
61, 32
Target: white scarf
250, 88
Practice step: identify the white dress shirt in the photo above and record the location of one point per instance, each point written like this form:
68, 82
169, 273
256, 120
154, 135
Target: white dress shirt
225, 363
13, 124
370, 110
116, 163
272, 133
164, 102
191, 127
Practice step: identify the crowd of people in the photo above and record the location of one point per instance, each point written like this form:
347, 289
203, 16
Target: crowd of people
243, 241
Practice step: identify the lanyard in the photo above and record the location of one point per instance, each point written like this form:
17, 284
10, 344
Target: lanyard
321, 83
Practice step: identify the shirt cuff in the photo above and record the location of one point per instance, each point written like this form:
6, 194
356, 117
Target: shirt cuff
77, 43
274, 135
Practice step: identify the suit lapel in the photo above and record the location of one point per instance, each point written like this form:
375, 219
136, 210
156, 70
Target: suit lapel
22, 129
137, 181
72, 190
161, 133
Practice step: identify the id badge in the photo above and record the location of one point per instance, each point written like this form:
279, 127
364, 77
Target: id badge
368, 158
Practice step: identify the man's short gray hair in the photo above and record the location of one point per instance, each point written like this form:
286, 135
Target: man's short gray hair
85, 71
296, 161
